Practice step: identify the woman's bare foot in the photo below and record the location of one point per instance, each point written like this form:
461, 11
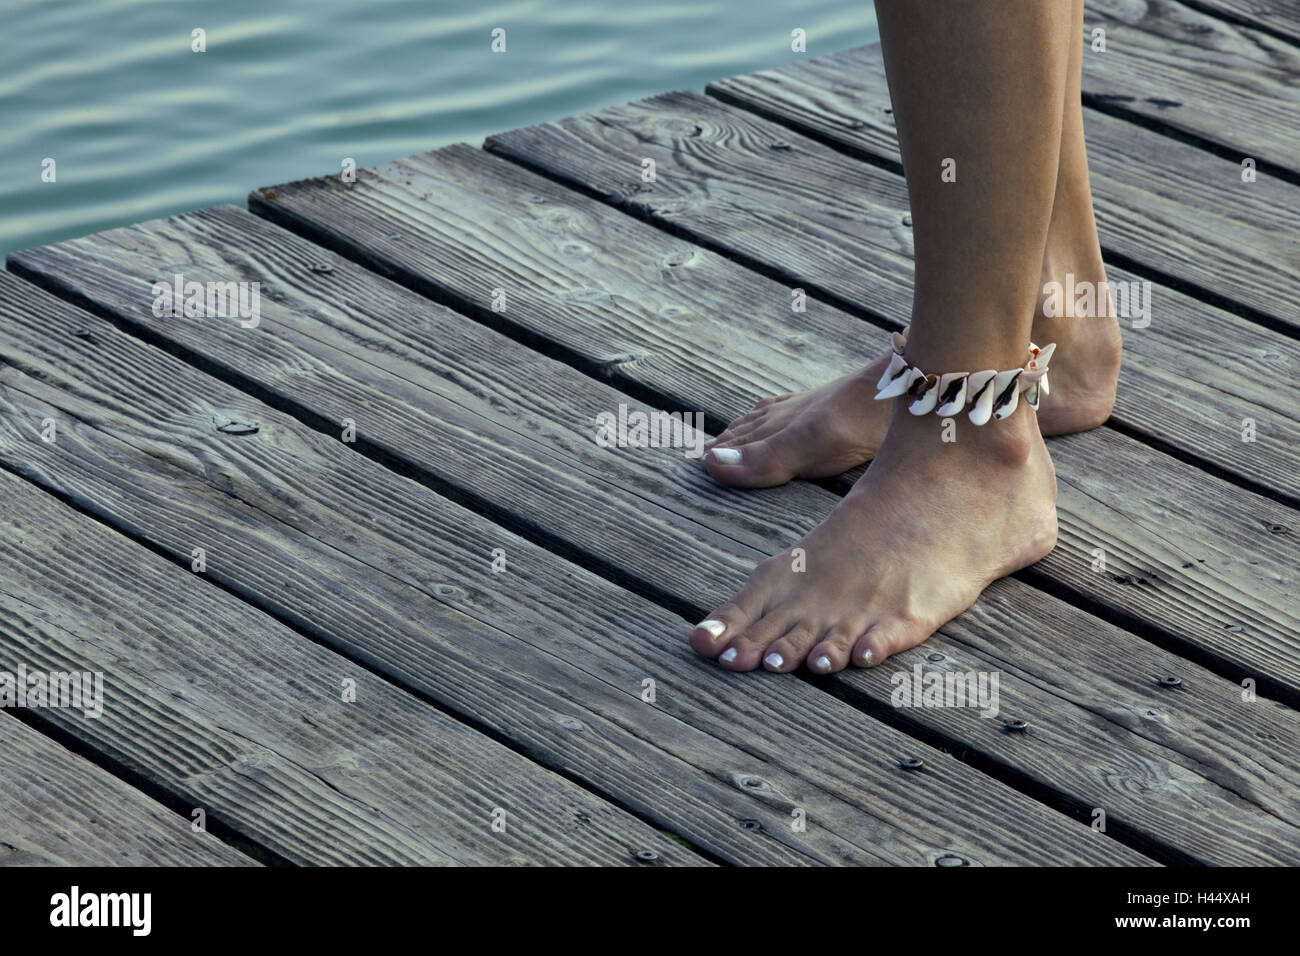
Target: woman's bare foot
828, 430
813, 434
921, 534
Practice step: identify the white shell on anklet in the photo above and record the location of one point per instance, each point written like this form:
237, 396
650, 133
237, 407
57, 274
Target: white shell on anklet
1006, 388
990, 395
894, 381
952, 393
925, 395
979, 394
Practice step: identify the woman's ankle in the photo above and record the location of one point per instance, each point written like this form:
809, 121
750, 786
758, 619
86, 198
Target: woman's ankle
955, 441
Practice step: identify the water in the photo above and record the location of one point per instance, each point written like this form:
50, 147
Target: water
140, 126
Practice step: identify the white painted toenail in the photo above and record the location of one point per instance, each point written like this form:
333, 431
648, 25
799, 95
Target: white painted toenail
867, 656
727, 456
715, 628
728, 655
822, 664
774, 661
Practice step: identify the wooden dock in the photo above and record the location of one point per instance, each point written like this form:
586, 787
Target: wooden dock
365, 590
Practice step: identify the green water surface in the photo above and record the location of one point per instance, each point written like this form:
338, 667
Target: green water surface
140, 126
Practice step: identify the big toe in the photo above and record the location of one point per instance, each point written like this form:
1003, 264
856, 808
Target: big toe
748, 464
715, 633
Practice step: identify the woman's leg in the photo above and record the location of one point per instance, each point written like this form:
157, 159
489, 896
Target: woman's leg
933, 522
833, 428
1084, 381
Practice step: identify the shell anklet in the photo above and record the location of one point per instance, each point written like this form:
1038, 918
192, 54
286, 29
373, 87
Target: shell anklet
989, 394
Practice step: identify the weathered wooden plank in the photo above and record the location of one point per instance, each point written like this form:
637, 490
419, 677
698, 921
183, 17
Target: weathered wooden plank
442, 251
59, 809
1234, 363
225, 709
1100, 779
546, 654
1176, 66
1164, 204
1281, 17
1075, 695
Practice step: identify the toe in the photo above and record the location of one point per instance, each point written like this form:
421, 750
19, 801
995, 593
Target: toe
748, 465
748, 647
712, 635
738, 432
887, 637
733, 433
746, 419
832, 652
736, 428
771, 400
789, 652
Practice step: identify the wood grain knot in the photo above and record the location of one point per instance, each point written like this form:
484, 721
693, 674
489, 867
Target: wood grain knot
230, 426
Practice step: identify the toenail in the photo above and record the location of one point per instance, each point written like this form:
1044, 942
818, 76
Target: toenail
774, 661
822, 664
715, 628
728, 655
727, 456
866, 657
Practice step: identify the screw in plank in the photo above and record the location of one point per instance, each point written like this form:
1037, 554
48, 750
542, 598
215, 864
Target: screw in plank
322, 268
950, 859
779, 144
911, 763
935, 658
1171, 681
907, 221
750, 825
1277, 529
1235, 628
646, 856
81, 333
1019, 726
